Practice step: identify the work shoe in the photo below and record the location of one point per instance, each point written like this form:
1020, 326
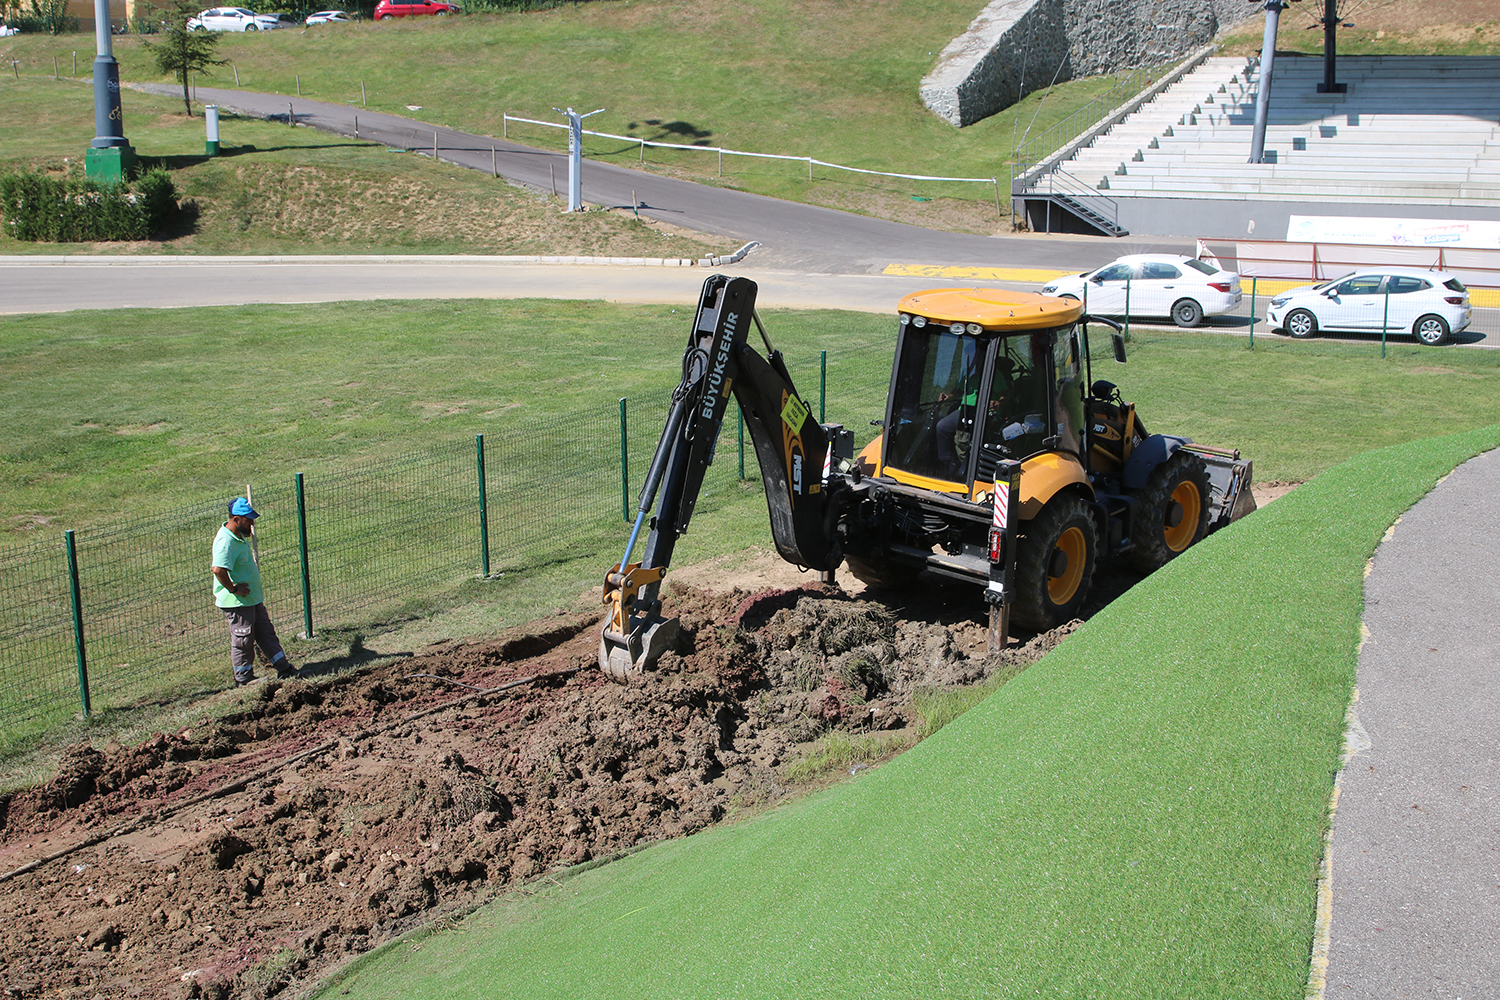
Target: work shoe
248, 677
285, 669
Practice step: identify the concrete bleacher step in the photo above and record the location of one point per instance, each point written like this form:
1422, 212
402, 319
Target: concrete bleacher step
1410, 131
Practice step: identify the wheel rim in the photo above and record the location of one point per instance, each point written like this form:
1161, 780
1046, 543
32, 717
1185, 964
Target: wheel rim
1430, 332
1060, 589
1180, 536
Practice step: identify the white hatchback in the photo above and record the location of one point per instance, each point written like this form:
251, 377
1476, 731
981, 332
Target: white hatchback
1153, 284
1429, 305
232, 19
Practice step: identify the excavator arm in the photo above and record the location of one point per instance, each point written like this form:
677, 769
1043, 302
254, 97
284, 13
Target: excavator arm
790, 447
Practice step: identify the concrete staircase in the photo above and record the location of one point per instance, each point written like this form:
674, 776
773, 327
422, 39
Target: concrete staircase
1412, 132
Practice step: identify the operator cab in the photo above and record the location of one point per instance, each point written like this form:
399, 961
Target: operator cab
980, 376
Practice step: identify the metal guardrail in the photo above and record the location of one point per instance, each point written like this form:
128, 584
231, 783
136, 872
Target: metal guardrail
1058, 186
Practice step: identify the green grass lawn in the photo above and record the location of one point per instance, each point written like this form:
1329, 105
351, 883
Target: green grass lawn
1140, 815
769, 77
294, 190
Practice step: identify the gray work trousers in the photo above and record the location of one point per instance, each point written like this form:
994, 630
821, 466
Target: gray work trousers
248, 628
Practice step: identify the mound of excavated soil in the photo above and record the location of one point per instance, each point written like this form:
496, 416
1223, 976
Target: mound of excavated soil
246, 856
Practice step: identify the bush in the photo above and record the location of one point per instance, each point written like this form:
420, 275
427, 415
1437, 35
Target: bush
45, 209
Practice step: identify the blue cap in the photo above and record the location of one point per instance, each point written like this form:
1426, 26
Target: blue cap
241, 508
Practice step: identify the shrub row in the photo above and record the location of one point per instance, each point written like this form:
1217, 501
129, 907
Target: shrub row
46, 209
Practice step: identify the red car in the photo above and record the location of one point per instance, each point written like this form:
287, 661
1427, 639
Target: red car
387, 9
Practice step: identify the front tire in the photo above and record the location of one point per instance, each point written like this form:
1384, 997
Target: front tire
1431, 330
1187, 313
1054, 564
1171, 511
1301, 324
383, 17
252, 27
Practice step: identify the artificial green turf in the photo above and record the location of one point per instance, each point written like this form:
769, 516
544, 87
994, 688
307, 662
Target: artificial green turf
1140, 815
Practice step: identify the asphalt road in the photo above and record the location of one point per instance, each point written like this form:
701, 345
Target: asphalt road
793, 236
1416, 838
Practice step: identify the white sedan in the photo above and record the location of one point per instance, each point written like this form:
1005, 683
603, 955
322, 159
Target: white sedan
232, 19
328, 17
1153, 284
1429, 305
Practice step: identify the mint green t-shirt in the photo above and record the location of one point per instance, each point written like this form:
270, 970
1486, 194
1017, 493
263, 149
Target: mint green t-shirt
233, 553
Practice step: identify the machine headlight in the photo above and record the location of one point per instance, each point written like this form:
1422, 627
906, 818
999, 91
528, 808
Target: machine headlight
919, 321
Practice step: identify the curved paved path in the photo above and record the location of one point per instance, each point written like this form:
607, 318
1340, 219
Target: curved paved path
1416, 837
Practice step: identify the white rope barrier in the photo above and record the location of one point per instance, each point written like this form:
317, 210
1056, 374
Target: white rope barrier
810, 161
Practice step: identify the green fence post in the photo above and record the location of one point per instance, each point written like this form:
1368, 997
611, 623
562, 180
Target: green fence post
484, 510
624, 465
1385, 322
83, 661
307, 628
1127, 309
742, 441
1253, 283
822, 387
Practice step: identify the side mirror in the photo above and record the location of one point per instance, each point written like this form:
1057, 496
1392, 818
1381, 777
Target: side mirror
1118, 340
1097, 281
1077, 352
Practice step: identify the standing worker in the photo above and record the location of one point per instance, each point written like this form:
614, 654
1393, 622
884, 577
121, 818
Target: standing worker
237, 592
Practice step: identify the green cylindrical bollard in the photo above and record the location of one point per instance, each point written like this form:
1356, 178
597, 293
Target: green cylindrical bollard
307, 626
484, 510
83, 660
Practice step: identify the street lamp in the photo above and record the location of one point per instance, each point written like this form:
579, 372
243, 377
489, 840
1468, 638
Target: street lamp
110, 156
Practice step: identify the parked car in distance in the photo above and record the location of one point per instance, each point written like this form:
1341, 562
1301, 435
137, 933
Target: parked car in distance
232, 19
6, 30
1157, 284
387, 9
1429, 305
328, 17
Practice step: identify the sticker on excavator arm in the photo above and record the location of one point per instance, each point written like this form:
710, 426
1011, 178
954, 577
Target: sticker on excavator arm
794, 413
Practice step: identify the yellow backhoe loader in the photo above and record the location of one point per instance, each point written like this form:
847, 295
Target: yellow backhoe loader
1000, 463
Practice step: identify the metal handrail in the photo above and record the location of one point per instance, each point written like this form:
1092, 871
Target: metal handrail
1060, 183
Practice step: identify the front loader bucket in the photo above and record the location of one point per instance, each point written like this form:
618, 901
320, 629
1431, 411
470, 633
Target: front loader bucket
1229, 484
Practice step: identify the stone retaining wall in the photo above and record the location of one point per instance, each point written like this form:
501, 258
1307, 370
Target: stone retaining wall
1017, 46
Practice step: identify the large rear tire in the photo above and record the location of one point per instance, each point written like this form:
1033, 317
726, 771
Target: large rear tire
882, 575
1054, 564
1171, 511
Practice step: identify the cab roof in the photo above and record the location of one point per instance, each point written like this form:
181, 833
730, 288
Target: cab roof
992, 308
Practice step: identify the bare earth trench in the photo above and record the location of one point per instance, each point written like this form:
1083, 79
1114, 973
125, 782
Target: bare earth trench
252, 854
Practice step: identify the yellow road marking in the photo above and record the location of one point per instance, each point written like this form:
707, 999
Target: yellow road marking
981, 273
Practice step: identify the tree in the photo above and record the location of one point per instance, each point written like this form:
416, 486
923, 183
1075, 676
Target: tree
181, 51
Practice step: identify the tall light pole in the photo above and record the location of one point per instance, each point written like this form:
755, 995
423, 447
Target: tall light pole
1330, 44
110, 156
1263, 90
575, 157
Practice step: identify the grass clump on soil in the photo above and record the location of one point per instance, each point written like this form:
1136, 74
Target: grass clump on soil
279, 190
1139, 815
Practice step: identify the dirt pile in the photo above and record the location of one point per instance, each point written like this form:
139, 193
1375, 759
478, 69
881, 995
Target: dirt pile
248, 855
